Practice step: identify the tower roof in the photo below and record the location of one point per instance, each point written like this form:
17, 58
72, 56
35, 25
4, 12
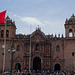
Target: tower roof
9, 21
8, 18
71, 20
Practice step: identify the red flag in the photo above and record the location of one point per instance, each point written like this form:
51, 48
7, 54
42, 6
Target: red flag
2, 16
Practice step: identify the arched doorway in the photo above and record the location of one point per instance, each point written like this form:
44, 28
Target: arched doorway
18, 67
57, 67
37, 63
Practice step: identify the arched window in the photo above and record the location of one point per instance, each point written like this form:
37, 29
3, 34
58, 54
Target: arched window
18, 48
57, 48
7, 33
73, 53
37, 47
70, 33
2, 33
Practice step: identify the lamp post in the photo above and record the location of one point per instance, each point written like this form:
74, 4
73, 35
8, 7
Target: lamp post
12, 50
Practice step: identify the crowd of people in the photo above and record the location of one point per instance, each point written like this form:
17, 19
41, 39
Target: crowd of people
38, 72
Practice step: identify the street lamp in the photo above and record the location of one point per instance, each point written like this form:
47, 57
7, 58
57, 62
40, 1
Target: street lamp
12, 50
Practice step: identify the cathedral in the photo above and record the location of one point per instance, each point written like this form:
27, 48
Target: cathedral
37, 51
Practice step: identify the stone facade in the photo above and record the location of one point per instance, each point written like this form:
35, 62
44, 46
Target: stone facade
47, 51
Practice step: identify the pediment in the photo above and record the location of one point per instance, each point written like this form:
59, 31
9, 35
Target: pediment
57, 58
18, 58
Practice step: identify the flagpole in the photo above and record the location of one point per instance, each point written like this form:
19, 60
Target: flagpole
30, 52
4, 47
2, 20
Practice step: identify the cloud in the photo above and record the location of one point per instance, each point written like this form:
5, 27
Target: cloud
16, 16
48, 26
35, 21
47, 22
30, 20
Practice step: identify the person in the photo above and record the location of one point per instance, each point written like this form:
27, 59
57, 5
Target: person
25, 73
1, 71
18, 73
13, 72
29, 73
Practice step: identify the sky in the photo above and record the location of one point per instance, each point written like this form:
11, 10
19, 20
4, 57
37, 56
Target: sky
50, 15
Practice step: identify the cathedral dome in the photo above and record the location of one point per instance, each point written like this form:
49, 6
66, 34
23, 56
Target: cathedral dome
38, 32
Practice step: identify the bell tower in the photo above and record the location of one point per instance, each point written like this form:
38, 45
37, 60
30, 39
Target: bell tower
10, 29
70, 27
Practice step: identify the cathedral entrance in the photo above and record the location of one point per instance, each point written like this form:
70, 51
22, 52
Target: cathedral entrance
18, 67
37, 63
57, 67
